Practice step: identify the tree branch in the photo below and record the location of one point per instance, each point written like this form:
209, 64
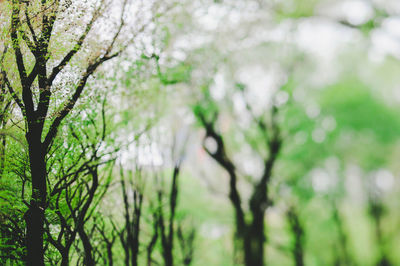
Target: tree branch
28, 42
71, 53
13, 94
47, 26
26, 91
28, 22
72, 101
221, 157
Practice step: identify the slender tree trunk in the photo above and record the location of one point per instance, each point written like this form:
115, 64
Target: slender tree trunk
64, 259
298, 234
126, 250
135, 245
153, 240
254, 242
168, 256
110, 255
3, 142
87, 247
2, 155
34, 216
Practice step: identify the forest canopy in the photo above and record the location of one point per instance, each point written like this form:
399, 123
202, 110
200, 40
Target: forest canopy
213, 132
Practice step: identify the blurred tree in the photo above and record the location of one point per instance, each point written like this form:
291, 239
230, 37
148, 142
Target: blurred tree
298, 234
249, 228
130, 233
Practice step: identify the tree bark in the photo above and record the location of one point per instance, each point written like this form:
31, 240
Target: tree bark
64, 259
87, 247
298, 234
110, 255
34, 217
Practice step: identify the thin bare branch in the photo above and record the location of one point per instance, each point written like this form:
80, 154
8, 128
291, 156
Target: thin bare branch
72, 101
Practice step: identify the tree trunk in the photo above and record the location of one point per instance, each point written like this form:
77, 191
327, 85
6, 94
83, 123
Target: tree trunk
168, 256
110, 255
87, 247
127, 253
64, 259
2, 155
254, 243
34, 216
135, 248
298, 235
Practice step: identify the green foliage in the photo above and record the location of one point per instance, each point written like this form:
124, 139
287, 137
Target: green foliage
297, 9
207, 107
355, 108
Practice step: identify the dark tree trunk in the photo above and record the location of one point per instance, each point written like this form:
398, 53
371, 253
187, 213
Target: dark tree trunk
64, 259
254, 243
130, 241
250, 235
2, 155
87, 247
187, 244
127, 253
377, 211
153, 240
168, 256
298, 234
110, 255
3, 121
34, 217
135, 243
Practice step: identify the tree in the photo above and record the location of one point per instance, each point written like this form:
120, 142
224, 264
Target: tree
108, 237
249, 232
37, 83
186, 241
166, 227
83, 174
298, 234
130, 233
6, 109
